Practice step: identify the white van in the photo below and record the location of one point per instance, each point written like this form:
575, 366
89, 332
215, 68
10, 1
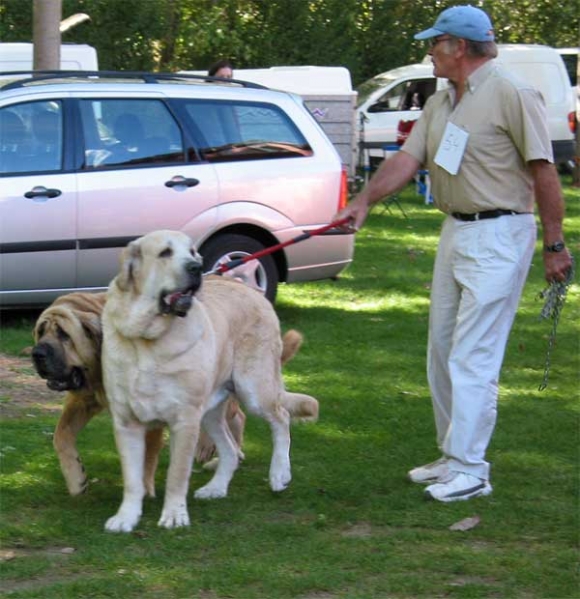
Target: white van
400, 94
73, 57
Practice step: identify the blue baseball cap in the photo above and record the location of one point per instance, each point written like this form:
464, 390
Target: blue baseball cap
466, 22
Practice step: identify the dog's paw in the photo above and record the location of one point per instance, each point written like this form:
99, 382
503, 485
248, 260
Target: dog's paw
280, 480
174, 518
122, 522
75, 476
150, 489
210, 491
78, 487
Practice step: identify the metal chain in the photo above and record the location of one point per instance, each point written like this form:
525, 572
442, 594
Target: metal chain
555, 296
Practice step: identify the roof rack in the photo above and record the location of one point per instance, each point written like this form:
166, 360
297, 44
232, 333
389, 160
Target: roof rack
35, 77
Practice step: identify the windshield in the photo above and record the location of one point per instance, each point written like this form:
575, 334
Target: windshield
371, 85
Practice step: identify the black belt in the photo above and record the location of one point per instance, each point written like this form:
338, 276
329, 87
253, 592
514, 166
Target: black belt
482, 215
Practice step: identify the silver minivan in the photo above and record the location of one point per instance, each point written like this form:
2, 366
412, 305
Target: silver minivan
90, 161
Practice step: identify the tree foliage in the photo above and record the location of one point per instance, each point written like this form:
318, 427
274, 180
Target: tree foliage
366, 36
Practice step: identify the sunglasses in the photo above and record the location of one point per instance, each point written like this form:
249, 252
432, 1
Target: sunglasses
435, 40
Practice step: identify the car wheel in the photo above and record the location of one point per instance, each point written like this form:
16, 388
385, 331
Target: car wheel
261, 274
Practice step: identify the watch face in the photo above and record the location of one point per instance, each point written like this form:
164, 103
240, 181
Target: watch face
558, 246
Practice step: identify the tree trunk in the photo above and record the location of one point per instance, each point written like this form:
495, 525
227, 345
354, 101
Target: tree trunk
172, 20
46, 34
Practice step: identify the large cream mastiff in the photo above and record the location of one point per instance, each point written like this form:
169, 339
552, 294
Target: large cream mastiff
173, 350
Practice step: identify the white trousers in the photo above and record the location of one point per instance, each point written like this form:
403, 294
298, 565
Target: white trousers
479, 274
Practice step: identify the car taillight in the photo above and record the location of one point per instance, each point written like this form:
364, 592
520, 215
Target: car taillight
572, 123
343, 197
403, 130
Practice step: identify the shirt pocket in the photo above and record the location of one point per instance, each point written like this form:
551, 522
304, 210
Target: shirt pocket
490, 149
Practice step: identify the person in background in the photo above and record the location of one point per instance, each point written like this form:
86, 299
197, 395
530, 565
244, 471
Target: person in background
221, 68
486, 144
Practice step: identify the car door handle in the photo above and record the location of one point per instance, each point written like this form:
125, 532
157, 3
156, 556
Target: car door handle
179, 181
42, 192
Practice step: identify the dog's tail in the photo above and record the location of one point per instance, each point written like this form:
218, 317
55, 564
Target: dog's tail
291, 342
302, 408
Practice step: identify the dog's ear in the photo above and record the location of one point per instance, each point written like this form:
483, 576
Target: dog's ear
38, 330
91, 324
130, 261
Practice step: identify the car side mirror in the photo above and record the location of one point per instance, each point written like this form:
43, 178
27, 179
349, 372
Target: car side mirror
379, 107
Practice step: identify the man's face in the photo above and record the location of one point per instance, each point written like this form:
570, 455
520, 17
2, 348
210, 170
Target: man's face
442, 52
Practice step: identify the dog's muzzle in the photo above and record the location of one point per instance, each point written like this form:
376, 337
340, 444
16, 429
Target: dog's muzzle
179, 301
50, 366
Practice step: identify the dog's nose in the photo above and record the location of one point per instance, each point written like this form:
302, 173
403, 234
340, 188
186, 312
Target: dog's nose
193, 268
40, 353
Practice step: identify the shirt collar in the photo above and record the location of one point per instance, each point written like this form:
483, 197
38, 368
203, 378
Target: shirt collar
474, 80
479, 76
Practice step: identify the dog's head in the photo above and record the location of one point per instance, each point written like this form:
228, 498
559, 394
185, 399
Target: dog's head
67, 347
163, 266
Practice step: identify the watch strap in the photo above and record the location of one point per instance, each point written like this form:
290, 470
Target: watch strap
555, 247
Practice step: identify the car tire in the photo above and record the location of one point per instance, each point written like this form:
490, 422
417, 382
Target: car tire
222, 249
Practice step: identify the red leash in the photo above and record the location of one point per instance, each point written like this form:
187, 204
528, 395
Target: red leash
306, 235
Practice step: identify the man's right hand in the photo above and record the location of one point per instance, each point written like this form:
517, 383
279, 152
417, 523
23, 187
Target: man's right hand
356, 211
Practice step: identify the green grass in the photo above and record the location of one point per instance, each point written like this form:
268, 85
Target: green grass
350, 525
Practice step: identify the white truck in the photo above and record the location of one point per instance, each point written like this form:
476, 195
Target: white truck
18, 56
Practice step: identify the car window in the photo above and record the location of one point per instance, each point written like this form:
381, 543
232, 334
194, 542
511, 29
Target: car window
570, 59
232, 131
120, 132
31, 137
408, 95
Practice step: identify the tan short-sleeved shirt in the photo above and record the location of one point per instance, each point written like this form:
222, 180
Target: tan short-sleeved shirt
506, 122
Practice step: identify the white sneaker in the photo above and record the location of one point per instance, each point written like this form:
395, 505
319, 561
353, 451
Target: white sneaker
429, 473
458, 486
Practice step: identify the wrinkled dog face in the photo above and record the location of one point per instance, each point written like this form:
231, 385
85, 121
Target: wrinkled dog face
64, 343
163, 265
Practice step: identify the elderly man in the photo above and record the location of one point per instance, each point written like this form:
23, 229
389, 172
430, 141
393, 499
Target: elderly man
487, 148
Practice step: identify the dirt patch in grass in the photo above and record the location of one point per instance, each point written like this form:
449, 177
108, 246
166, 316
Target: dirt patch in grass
7, 555
22, 390
360, 530
36, 582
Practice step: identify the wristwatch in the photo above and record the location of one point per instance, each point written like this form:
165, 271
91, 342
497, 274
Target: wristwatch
556, 247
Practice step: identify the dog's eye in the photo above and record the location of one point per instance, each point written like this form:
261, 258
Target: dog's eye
193, 252
62, 334
166, 253
92, 333
41, 329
